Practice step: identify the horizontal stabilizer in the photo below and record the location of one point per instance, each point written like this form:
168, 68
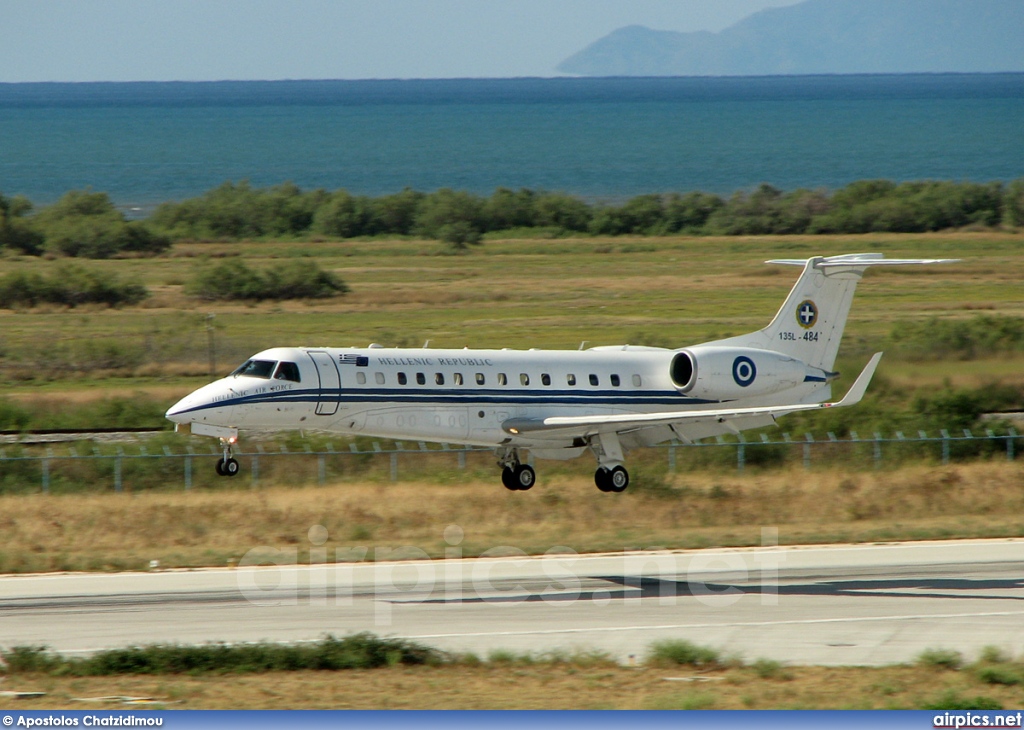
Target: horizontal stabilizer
860, 259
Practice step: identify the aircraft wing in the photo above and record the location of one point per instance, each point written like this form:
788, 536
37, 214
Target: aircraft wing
618, 422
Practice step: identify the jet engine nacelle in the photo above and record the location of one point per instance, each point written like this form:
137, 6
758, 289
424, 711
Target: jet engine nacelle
727, 373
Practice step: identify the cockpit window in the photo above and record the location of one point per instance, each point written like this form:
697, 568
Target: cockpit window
288, 371
256, 369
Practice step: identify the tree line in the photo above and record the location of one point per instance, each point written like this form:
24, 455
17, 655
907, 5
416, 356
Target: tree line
87, 224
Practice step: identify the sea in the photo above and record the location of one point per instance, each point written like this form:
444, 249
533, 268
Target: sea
601, 139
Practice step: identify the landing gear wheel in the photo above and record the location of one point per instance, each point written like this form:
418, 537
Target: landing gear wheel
227, 467
525, 477
602, 478
508, 478
618, 479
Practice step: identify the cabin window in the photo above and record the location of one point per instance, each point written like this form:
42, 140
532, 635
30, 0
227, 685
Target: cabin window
402, 380
502, 379
524, 379
637, 381
570, 379
594, 380
545, 379
379, 378
480, 379
615, 381
438, 378
361, 378
421, 379
457, 378
288, 371
256, 368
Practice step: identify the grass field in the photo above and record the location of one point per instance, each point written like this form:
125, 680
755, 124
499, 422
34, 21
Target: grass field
527, 293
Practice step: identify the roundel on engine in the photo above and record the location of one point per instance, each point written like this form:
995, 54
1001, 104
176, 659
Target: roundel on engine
743, 371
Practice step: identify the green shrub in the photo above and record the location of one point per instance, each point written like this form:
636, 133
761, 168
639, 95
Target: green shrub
771, 669
993, 655
69, 285
358, 651
239, 211
680, 651
12, 416
297, 279
1000, 674
14, 231
953, 701
944, 658
87, 225
25, 659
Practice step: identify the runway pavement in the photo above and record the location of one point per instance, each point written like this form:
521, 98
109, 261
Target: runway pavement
832, 605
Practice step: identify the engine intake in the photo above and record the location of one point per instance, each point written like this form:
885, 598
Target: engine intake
727, 373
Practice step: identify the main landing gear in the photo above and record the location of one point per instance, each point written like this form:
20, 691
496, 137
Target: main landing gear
516, 476
615, 479
227, 466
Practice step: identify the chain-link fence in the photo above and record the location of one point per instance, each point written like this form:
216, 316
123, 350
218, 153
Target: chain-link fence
97, 467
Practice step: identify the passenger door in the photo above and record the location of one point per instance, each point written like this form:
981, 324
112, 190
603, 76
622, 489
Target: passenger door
330, 383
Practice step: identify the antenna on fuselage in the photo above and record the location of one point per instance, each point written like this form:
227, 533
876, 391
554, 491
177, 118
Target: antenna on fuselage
583, 344
426, 344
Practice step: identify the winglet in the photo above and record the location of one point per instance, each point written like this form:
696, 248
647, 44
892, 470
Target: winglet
860, 385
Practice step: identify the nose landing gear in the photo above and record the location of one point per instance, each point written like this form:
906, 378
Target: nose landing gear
228, 465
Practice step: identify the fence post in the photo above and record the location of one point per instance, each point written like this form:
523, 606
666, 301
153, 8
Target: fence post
741, 454
188, 472
945, 446
878, 450
255, 470
1009, 444
46, 475
321, 469
808, 440
118, 486
462, 459
394, 466
672, 458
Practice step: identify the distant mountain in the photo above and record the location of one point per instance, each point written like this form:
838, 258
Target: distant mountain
824, 37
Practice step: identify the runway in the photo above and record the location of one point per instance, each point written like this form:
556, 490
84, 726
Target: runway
829, 605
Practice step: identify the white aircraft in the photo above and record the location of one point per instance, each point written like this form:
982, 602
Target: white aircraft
556, 404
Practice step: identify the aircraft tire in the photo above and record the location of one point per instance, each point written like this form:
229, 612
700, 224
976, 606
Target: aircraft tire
220, 467
602, 478
525, 477
508, 478
230, 467
618, 479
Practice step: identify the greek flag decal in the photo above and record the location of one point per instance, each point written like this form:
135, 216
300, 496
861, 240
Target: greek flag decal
357, 360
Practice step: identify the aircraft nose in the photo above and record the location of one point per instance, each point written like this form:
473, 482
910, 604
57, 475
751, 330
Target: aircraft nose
176, 412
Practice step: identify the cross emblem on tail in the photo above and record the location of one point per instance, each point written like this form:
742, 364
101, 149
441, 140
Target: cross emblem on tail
806, 314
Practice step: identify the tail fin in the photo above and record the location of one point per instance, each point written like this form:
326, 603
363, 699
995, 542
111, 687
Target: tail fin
810, 324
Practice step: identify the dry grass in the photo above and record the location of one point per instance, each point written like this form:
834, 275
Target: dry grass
692, 510
537, 686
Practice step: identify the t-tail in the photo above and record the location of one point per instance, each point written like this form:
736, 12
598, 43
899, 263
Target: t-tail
810, 324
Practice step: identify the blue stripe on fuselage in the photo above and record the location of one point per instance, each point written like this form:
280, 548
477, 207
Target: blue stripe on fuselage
407, 396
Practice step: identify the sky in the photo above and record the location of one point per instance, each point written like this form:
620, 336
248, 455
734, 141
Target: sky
206, 40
